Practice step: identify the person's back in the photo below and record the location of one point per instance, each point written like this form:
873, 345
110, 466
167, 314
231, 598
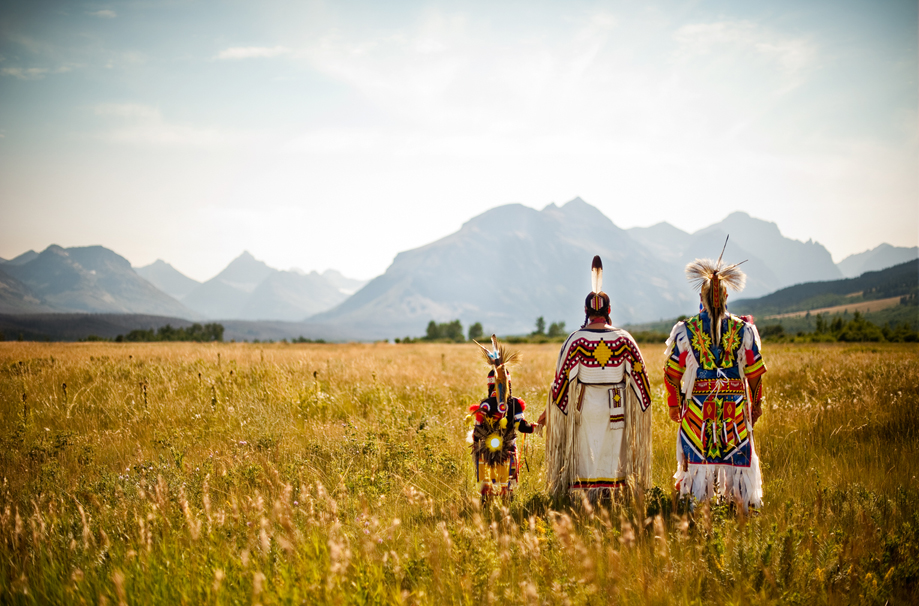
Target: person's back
598, 438
713, 378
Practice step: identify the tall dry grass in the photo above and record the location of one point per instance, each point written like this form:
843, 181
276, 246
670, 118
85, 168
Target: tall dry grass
234, 473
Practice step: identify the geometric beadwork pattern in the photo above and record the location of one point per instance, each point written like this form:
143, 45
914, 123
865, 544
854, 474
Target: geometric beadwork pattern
600, 353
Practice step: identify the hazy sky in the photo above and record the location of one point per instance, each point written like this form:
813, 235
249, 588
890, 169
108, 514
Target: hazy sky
336, 134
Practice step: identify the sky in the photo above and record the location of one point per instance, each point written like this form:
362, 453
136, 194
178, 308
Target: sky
336, 134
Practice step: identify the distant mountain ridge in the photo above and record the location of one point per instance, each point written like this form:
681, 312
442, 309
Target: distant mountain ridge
897, 281
512, 264
94, 279
167, 278
773, 261
507, 266
877, 258
249, 289
84, 279
504, 268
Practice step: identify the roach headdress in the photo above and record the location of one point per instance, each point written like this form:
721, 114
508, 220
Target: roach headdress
499, 358
597, 302
712, 278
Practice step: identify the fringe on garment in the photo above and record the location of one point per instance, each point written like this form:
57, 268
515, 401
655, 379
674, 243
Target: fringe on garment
743, 485
562, 450
637, 440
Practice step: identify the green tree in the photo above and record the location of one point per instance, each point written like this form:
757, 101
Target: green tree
776, 331
556, 329
821, 324
452, 331
860, 329
540, 326
475, 331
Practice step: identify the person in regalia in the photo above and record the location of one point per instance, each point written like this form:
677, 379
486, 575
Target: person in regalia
497, 420
598, 429
713, 379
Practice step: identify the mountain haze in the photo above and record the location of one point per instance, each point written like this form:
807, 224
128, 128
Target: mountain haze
90, 279
348, 286
225, 295
773, 261
509, 265
291, 297
251, 290
792, 261
167, 278
17, 298
23, 258
880, 257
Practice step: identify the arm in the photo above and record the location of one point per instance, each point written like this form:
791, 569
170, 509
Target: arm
674, 367
756, 406
639, 376
522, 425
754, 369
558, 391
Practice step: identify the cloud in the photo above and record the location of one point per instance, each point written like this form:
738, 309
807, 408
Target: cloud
127, 110
734, 39
104, 14
145, 125
33, 73
28, 73
252, 52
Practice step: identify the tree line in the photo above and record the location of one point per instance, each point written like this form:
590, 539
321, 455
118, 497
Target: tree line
858, 329
452, 332
196, 332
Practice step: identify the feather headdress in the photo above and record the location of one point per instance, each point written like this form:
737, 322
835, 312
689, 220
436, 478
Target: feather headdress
499, 357
712, 278
597, 302
596, 275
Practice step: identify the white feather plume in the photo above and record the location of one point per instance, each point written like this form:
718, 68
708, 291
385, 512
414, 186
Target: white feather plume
596, 275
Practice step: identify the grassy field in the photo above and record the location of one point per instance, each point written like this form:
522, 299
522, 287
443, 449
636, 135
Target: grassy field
287, 474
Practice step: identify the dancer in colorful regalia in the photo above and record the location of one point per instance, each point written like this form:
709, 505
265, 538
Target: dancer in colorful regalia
498, 419
598, 428
713, 378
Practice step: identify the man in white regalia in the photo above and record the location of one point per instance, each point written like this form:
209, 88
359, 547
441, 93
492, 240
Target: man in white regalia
598, 428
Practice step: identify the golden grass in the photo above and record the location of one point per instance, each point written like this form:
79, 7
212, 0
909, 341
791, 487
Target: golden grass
241, 473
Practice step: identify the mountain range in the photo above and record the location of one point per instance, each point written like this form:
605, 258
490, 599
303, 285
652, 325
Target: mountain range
503, 268
249, 289
94, 279
512, 264
89, 279
877, 258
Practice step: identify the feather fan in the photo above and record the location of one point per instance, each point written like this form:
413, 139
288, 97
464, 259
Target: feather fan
701, 271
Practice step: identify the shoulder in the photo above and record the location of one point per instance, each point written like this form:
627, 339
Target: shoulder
520, 404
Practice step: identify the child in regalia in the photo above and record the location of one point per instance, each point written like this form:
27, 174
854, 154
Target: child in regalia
498, 419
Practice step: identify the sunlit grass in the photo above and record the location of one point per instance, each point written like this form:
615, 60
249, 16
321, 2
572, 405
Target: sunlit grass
234, 473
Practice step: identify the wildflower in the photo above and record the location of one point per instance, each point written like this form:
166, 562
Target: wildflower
218, 577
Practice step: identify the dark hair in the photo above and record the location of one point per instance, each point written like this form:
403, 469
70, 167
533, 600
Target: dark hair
596, 304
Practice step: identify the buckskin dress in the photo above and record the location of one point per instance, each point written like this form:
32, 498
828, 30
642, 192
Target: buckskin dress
599, 434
